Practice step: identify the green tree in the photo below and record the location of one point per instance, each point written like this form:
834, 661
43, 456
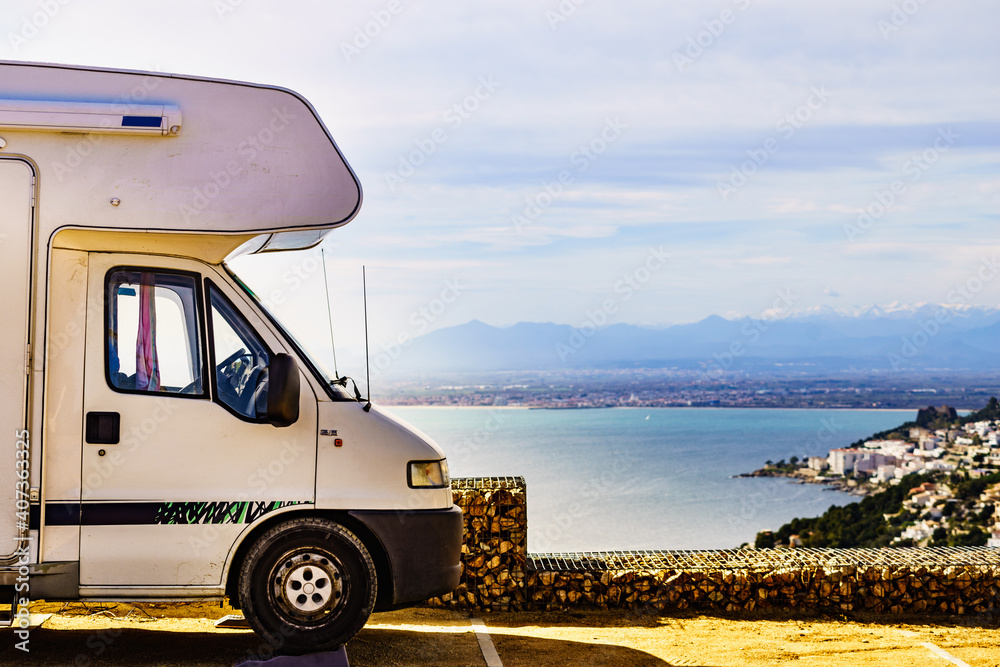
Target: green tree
860, 524
976, 537
986, 516
973, 488
990, 413
765, 540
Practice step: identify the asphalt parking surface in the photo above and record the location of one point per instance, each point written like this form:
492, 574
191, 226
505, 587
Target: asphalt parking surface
151, 635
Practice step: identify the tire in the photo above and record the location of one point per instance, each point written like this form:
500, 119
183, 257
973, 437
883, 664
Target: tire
307, 585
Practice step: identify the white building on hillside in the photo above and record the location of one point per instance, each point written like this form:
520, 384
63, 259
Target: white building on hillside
842, 460
884, 473
818, 463
921, 530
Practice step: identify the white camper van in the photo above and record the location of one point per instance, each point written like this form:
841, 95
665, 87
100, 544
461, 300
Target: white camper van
163, 436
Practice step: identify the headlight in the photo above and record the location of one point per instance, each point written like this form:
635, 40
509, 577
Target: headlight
428, 474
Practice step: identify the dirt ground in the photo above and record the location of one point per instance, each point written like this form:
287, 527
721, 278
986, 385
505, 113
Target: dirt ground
153, 634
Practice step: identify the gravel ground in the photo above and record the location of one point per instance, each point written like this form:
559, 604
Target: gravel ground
186, 635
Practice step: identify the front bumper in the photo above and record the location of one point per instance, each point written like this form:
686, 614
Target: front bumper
424, 548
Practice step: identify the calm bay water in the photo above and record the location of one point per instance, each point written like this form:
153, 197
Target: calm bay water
637, 478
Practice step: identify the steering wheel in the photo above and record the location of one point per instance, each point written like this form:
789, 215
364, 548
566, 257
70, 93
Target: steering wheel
231, 358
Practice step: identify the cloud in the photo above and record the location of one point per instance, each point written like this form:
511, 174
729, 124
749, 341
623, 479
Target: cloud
688, 130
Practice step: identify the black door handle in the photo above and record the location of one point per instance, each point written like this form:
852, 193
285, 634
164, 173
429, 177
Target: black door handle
103, 428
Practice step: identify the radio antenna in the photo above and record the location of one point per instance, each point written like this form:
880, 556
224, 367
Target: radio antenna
329, 314
368, 375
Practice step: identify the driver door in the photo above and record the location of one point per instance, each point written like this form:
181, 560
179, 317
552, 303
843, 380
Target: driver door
178, 458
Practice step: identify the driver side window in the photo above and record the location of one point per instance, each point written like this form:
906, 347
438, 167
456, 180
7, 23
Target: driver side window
240, 359
153, 343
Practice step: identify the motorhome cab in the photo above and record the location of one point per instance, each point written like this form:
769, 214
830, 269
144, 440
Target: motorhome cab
163, 436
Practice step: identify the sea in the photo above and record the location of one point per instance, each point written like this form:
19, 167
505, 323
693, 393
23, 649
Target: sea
648, 478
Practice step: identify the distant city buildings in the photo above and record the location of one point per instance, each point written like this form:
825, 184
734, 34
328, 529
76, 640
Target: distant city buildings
669, 387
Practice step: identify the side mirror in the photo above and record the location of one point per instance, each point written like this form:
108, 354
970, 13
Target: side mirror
282, 390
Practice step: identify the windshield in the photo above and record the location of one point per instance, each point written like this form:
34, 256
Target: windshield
336, 391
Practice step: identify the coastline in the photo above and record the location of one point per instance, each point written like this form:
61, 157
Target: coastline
841, 484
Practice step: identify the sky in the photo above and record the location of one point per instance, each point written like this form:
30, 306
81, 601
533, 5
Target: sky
588, 161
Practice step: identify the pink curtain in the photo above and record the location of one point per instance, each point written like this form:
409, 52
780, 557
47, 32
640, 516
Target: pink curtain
147, 369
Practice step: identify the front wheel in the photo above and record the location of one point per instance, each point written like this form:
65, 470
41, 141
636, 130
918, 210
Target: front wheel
307, 585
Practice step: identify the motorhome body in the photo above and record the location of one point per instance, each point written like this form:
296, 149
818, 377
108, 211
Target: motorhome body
175, 441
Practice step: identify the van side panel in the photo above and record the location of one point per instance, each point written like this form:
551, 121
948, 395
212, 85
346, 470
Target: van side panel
16, 188
166, 495
65, 349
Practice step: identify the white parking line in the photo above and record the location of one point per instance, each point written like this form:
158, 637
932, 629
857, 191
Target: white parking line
36, 620
941, 653
485, 643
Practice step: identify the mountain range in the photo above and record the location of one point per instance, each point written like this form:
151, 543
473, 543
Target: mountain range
889, 338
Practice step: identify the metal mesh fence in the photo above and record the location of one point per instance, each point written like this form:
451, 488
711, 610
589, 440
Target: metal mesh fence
763, 559
486, 483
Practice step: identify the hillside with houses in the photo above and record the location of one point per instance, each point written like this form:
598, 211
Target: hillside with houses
931, 482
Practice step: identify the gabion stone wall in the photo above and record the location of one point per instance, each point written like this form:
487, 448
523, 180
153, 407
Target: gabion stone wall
496, 544
499, 574
964, 589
